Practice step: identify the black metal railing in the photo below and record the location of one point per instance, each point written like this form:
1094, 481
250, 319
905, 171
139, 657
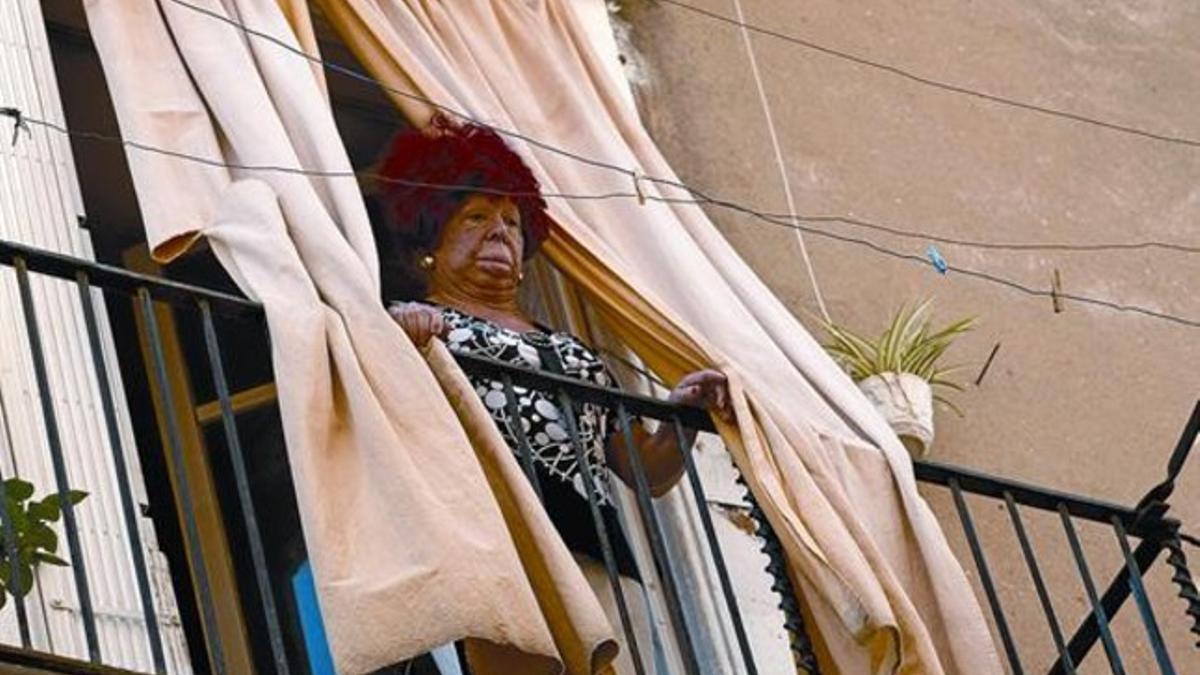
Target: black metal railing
1147, 523
1154, 531
90, 277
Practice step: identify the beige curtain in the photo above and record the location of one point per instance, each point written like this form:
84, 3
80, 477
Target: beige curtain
874, 568
420, 526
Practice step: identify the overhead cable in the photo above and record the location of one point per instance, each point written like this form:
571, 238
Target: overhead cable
637, 176
940, 84
878, 248
995, 245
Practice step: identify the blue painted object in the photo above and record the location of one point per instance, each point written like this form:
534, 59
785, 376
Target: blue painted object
935, 257
317, 645
320, 658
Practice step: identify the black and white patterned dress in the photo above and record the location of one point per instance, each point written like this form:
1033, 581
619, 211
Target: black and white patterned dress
544, 425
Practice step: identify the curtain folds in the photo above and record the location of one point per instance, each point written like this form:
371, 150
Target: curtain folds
874, 568
385, 442
420, 526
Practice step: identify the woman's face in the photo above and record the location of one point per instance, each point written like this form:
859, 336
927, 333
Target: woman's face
481, 246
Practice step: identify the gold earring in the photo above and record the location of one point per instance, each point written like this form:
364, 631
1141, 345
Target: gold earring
426, 263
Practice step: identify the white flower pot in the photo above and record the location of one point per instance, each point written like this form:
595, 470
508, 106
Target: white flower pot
906, 402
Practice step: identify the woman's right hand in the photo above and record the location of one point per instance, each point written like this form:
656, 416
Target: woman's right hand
419, 321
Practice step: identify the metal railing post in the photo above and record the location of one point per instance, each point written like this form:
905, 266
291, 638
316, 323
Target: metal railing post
128, 507
1039, 584
658, 548
714, 547
1142, 600
985, 577
518, 430
610, 562
61, 478
1110, 645
191, 528
245, 500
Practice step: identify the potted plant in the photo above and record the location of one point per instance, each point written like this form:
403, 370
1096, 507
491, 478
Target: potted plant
35, 540
901, 370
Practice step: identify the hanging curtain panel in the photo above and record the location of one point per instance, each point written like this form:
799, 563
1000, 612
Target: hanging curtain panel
871, 562
387, 445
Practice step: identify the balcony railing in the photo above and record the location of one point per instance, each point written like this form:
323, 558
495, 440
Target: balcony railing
1141, 534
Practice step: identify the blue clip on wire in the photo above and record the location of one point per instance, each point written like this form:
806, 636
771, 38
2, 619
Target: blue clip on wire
936, 259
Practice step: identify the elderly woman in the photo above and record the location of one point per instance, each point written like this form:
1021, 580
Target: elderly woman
468, 247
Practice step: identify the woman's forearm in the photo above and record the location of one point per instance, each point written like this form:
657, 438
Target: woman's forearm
659, 453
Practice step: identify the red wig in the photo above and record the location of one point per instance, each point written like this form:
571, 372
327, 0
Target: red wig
416, 205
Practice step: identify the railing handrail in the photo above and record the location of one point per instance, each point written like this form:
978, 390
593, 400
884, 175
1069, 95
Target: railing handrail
647, 406
1146, 521
1033, 495
119, 279
971, 480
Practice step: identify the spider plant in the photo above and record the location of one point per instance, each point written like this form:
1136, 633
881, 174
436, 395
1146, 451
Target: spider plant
910, 344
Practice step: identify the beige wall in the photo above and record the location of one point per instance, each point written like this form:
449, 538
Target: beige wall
1090, 400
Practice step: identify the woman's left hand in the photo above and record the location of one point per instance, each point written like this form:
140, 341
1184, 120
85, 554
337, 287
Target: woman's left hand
707, 389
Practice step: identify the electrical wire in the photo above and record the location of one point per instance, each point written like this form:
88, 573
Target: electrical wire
318, 173
990, 245
878, 248
449, 110
977, 274
633, 174
698, 195
939, 84
793, 221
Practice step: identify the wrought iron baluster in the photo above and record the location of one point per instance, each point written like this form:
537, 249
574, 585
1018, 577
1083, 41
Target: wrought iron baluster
208, 612
128, 506
714, 547
244, 497
657, 546
610, 562
1111, 601
1039, 584
985, 577
1110, 645
793, 617
524, 450
61, 479
1143, 601
1182, 577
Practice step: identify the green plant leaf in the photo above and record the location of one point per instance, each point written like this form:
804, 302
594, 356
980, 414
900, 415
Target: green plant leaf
946, 402
949, 384
18, 490
939, 378
853, 351
42, 536
45, 510
20, 518
50, 559
955, 329
888, 341
73, 496
26, 578
909, 344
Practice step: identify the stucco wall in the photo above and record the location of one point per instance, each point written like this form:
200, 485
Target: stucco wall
1089, 400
